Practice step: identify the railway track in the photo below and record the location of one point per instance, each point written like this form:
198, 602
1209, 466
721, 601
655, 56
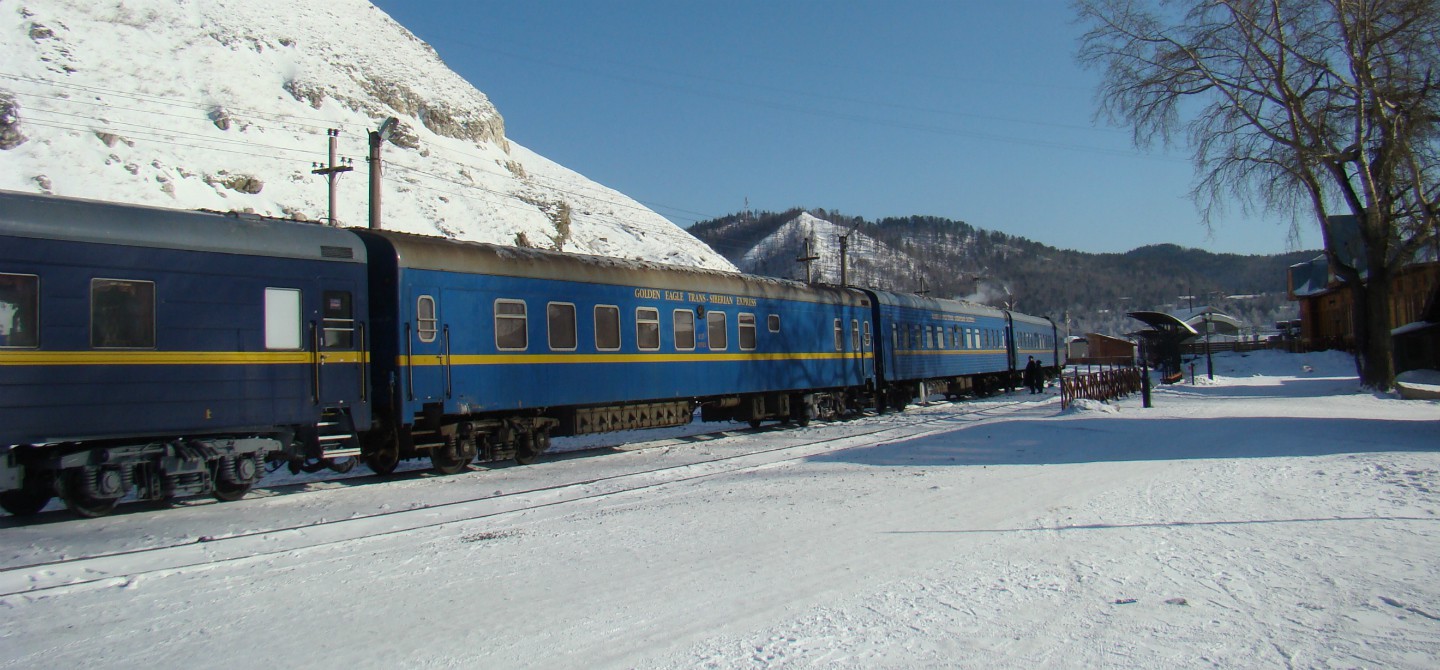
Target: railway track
119, 568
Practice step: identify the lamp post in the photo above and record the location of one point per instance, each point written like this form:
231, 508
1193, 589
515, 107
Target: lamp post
377, 138
1209, 362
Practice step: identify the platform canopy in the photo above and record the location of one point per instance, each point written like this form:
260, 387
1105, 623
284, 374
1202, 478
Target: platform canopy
1165, 323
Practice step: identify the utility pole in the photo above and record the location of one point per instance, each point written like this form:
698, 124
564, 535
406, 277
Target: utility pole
807, 259
844, 254
332, 171
377, 138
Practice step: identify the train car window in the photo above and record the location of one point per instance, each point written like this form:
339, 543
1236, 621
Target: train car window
773, 323
607, 328
426, 324
854, 334
929, 337
122, 314
511, 325
715, 328
338, 320
747, 332
867, 336
282, 318
19, 311
684, 329
560, 326
647, 328
839, 336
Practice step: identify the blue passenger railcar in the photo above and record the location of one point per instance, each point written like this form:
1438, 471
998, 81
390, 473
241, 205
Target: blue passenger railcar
168, 353
951, 346
494, 349
1038, 337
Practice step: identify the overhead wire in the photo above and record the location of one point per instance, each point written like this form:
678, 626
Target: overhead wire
150, 133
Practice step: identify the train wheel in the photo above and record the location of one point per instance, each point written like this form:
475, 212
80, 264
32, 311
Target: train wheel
229, 491
525, 449
450, 458
382, 452
79, 502
383, 461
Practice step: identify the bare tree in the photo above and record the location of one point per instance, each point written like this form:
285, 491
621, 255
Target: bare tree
1303, 107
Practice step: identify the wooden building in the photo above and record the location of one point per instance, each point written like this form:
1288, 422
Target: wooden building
1327, 307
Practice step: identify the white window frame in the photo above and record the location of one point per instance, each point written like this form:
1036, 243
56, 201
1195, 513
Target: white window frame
619, 340
675, 329
639, 321
710, 331
740, 321
426, 328
523, 317
574, 326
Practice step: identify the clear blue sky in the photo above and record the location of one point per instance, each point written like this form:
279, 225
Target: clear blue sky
966, 109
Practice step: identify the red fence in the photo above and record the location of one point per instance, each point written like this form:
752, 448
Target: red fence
1099, 385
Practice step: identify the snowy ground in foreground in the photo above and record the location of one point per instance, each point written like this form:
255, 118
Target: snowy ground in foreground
1276, 517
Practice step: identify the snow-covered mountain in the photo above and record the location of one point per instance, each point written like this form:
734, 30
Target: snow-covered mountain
952, 259
871, 262
226, 104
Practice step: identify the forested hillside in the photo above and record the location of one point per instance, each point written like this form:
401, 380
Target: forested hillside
953, 259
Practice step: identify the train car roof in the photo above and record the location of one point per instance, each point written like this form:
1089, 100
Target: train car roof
78, 220
1036, 320
437, 253
953, 306
936, 304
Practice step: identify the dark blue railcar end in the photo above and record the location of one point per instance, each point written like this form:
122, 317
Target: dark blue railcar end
162, 353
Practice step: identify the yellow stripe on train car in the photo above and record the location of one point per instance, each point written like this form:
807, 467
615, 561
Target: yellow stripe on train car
948, 352
422, 360
78, 358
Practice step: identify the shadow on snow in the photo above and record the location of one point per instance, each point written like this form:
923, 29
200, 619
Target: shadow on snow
1099, 440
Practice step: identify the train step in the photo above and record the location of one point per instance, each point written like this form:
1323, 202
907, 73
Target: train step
336, 434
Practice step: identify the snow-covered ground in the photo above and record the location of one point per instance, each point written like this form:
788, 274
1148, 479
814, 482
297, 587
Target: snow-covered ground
1277, 517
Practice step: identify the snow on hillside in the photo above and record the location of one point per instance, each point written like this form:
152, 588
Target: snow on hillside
1277, 517
872, 262
225, 105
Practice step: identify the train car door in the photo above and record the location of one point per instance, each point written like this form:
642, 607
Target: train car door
867, 344
338, 345
860, 343
427, 348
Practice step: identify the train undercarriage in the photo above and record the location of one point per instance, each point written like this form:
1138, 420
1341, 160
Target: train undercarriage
91, 478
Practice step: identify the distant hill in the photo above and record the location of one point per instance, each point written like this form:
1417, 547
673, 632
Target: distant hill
953, 259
